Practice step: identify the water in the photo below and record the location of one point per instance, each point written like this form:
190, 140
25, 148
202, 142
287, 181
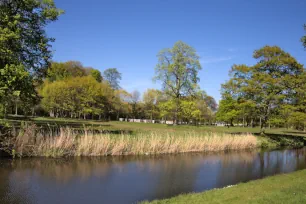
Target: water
133, 179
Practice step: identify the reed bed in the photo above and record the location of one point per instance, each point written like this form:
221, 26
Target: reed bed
67, 142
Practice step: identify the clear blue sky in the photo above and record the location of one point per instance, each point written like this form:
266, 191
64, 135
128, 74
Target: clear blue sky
127, 34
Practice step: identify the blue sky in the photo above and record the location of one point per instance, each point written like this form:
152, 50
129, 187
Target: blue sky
128, 34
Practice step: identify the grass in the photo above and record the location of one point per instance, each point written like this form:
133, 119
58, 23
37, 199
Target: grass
124, 138
118, 127
31, 141
284, 188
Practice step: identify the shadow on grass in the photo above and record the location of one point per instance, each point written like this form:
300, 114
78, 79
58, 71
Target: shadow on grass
295, 132
285, 140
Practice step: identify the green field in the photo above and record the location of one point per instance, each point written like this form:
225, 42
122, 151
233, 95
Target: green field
286, 188
116, 126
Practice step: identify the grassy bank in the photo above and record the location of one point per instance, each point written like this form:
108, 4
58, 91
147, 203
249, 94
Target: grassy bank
285, 188
31, 141
86, 137
116, 126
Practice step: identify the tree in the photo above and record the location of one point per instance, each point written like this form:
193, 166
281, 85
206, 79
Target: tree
303, 39
135, 96
177, 69
227, 111
190, 111
167, 109
76, 97
247, 110
64, 70
274, 80
24, 45
16, 85
22, 29
121, 102
298, 120
151, 99
113, 77
206, 105
96, 74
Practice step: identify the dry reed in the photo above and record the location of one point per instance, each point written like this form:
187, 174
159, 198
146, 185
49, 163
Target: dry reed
66, 142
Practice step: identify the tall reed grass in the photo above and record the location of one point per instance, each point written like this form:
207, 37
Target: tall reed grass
67, 142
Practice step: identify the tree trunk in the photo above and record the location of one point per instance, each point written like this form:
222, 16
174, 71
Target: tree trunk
175, 122
262, 126
16, 108
117, 115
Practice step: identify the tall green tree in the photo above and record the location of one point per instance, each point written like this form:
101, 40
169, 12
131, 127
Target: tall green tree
24, 45
113, 77
273, 81
228, 110
177, 69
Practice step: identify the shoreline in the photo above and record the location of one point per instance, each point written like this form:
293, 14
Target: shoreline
287, 188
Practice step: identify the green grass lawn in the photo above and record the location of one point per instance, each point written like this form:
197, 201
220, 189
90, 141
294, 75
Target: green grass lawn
285, 188
134, 127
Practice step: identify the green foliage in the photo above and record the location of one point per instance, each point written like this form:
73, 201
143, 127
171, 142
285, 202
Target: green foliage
64, 70
25, 49
177, 69
16, 84
113, 77
23, 39
151, 99
298, 120
275, 80
76, 96
189, 110
167, 109
96, 74
228, 110
303, 39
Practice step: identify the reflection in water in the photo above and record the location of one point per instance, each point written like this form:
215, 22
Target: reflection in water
132, 179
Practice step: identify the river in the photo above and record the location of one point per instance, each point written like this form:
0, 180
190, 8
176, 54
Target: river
131, 179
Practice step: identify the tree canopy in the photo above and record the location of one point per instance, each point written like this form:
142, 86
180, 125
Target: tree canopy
25, 49
177, 69
276, 79
113, 77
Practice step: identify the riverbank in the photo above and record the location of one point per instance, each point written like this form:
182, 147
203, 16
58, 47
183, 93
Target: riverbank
30, 141
58, 137
285, 188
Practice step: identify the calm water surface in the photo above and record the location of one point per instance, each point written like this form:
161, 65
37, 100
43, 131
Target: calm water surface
133, 179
